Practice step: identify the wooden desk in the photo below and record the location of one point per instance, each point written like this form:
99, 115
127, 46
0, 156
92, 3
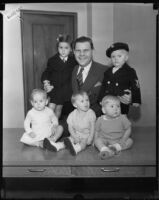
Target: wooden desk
20, 160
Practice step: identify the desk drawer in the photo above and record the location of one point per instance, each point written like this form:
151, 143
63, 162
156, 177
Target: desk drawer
114, 171
36, 171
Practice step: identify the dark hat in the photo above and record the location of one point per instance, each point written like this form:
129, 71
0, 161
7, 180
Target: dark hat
116, 46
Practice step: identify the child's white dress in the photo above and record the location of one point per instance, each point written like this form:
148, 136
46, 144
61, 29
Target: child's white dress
39, 122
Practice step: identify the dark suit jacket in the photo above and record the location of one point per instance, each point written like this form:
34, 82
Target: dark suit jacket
92, 83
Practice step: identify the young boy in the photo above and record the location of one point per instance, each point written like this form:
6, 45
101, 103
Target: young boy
120, 78
112, 130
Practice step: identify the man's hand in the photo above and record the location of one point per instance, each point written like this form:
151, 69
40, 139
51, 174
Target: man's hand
126, 98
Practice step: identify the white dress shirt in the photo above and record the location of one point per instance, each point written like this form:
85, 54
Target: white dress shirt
85, 71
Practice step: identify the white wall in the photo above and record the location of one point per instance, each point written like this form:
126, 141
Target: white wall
136, 25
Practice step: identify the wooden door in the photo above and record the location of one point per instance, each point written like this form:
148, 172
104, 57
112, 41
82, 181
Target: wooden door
39, 32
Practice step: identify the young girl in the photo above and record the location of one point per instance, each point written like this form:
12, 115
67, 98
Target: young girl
81, 123
40, 121
112, 130
57, 76
120, 79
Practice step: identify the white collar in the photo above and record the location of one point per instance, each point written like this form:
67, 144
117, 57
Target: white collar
86, 68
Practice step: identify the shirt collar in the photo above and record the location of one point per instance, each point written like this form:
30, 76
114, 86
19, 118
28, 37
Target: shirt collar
86, 68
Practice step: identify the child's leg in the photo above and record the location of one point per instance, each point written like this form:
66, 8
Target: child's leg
127, 144
74, 148
58, 110
26, 139
57, 134
101, 145
119, 146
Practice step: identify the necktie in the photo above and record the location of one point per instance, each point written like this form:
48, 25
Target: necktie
80, 77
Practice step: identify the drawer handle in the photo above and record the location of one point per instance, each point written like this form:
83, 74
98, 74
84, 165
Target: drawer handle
110, 170
36, 170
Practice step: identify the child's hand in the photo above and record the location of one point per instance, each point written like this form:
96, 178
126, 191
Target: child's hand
32, 134
53, 129
76, 140
48, 88
126, 98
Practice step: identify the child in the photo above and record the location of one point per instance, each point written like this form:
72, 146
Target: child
57, 76
112, 130
81, 123
120, 78
40, 121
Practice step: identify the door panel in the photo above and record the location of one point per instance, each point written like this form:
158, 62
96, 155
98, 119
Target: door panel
39, 33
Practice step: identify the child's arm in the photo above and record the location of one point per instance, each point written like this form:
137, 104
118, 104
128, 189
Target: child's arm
27, 125
73, 133
126, 135
92, 131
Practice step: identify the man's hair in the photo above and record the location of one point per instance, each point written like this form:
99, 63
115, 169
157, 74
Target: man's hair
81, 40
38, 91
79, 93
108, 98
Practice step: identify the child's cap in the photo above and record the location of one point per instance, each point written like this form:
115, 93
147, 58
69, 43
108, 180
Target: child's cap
116, 46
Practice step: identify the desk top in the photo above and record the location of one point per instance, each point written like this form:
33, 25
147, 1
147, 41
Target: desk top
16, 153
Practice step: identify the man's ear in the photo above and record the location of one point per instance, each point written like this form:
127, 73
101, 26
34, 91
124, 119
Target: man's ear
31, 102
103, 110
74, 104
47, 101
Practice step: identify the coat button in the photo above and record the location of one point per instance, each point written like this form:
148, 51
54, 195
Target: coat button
108, 82
116, 84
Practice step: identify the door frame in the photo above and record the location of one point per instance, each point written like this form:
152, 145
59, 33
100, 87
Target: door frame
53, 13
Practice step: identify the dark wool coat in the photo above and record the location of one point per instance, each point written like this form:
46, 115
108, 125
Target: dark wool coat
115, 84
59, 74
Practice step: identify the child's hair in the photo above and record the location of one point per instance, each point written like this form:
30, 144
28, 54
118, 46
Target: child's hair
38, 91
108, 98
63, 38
79, 93
83, 39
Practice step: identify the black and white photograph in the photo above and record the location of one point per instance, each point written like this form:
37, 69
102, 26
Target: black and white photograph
80, 100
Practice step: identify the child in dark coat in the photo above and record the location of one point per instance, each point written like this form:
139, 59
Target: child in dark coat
120, 78
57, 76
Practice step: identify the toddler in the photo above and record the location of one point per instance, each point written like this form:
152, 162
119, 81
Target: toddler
40, 121
112, 130
120, 79
57, 76
81, 123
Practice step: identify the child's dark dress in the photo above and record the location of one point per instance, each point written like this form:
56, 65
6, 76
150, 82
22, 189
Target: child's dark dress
59, 73
115, 84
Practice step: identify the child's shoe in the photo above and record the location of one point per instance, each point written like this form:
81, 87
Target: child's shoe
69, 145
49, 145
116, 148
106, 154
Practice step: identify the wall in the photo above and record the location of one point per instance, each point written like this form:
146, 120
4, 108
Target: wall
105, 22
13, 97
136, 25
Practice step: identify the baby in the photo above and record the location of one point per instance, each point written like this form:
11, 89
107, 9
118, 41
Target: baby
40, 121
81, 122
113, 129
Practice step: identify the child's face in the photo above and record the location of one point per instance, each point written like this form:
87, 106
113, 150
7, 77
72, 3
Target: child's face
119, 57
82, 102
112, 109
39, 101
64, 49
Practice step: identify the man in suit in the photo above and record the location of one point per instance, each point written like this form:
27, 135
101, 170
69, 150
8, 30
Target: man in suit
88, 74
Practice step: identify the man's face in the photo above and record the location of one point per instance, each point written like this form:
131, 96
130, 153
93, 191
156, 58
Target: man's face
83, 53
